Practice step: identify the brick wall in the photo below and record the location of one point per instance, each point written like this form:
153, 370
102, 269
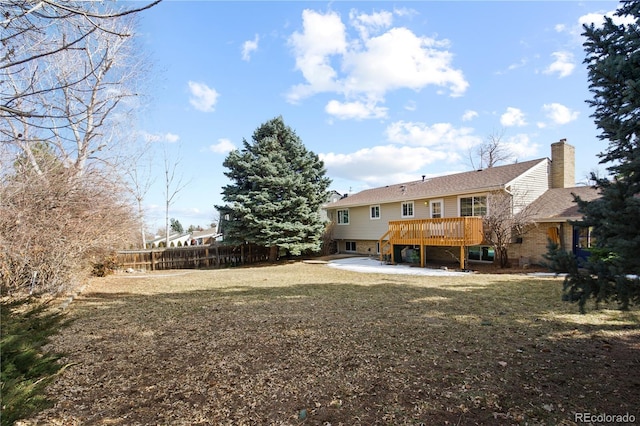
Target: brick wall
534, 243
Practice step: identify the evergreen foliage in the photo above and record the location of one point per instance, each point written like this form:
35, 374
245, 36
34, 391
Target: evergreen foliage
26, 367
276, 192
176, 226
613, 61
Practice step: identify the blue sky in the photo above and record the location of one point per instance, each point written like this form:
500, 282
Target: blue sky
383, 92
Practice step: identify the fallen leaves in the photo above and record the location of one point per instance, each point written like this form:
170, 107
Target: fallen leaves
315, 345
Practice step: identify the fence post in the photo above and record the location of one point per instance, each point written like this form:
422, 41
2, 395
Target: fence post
153, 263
206, 257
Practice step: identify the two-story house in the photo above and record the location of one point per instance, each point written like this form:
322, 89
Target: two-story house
440, 218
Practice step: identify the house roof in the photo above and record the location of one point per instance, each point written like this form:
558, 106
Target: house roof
557, 204
458, 183
172, 237
204, 233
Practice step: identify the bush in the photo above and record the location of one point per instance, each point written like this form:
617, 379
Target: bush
105, 267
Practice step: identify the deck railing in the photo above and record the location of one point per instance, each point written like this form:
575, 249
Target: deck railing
452, 231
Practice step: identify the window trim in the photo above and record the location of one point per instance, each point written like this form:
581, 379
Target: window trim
413, 209
431, 203
461, 197
340, 217
371, 216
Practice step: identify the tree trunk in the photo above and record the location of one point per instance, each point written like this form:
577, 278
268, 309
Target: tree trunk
502, 257
273, 253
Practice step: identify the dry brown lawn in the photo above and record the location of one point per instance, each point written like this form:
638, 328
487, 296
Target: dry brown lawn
306, 344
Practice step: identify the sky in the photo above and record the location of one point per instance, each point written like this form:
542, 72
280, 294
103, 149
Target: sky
383, 92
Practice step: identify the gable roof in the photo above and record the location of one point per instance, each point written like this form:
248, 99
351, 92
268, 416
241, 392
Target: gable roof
557, 204
466, 182
204, 233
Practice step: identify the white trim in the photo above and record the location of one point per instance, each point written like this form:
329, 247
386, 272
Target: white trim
371, 207
431, 202
484, 194
413, 209
338, 216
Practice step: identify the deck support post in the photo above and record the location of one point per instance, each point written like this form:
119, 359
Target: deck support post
461, 257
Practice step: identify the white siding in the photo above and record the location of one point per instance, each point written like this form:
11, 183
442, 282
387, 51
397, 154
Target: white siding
530, 186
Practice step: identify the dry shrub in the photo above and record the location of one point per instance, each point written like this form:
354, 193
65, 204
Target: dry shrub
55, 224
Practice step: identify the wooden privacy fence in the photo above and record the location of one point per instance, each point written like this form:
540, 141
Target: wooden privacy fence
213, 256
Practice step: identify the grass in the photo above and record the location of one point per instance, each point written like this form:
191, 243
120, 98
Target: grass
26, 367
307, 344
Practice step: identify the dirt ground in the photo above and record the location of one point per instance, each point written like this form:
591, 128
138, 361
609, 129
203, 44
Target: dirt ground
305, 344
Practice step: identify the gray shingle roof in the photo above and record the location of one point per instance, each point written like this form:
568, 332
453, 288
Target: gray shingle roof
558, 204
466, 182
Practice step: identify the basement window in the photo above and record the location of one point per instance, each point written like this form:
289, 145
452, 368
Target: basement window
350, 246
481, 253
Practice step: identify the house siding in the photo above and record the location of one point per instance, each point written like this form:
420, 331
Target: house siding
530, 186
526, 181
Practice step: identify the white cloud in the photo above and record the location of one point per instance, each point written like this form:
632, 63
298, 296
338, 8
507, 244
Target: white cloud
400, 59
442, 136
222, 147
410, 106
381, 165
160, 137
513, 117
354, 110
203, 98
560, 114
597, 19
248, 47
469, 115
376, 60
322, 36
521, 63
375, 22
563, 65
521, 146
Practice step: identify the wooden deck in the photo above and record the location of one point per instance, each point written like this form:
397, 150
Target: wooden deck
451, 232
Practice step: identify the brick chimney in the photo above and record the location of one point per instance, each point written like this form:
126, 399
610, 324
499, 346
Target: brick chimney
563, 165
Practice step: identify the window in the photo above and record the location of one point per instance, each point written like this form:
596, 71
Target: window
473, 206
343, 217
407, 209
350, 246
585, 237
436, 209
481, 253
374, 212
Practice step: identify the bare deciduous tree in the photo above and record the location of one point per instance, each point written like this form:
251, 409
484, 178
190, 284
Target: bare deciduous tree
140, 178
87, 116
67, 90
507, 217
490, 153
173, 184
44, 30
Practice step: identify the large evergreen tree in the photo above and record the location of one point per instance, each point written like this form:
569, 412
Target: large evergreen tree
613, 60
276, 192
